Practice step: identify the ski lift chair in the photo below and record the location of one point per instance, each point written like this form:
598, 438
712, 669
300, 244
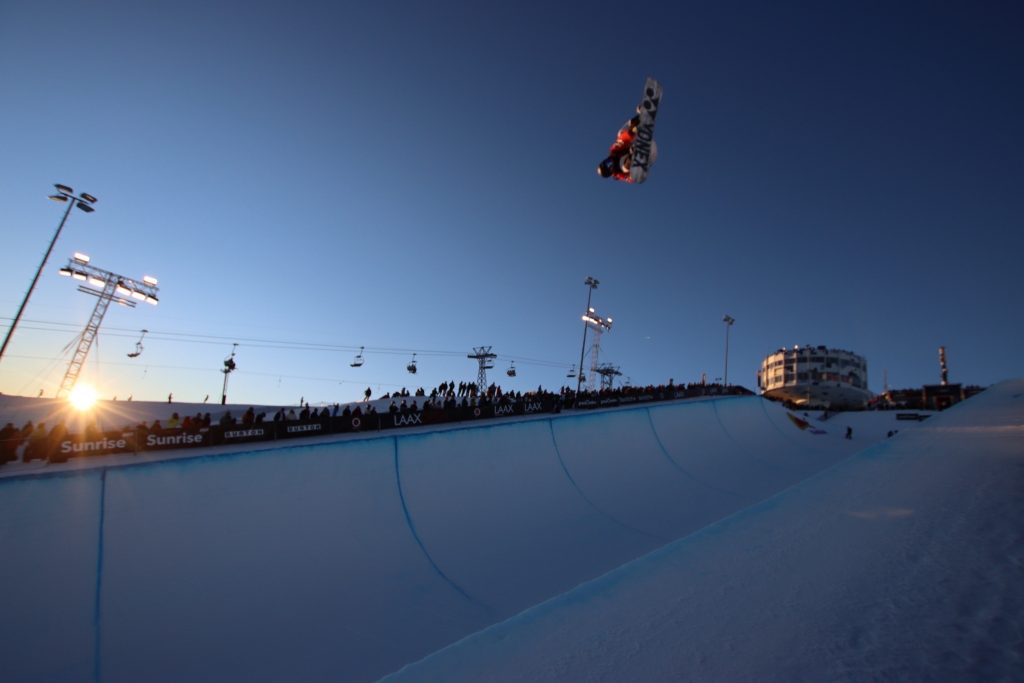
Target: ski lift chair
511, 372
138, 346
358, 360
572, 371
411, 367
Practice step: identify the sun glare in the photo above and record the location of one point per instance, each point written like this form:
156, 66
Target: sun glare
83, 397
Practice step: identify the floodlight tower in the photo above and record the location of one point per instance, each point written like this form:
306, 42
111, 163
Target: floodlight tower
591, 283
600, 326
485, 358
110, 287
728, 320
84, 202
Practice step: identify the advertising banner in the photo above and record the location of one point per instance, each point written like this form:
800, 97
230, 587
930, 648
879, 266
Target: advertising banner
105, 443
247, 433
172, 438
144, 439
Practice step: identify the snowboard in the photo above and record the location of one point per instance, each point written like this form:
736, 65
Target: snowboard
643, 151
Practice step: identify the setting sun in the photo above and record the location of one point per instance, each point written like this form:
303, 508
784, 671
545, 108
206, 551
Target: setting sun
83, 397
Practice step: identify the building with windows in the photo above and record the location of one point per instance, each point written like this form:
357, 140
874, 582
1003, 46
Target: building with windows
815, 377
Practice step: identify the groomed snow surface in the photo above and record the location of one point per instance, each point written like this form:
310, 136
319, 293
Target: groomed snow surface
695, 540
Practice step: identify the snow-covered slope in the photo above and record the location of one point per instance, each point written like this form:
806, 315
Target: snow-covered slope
348, 559
905, 562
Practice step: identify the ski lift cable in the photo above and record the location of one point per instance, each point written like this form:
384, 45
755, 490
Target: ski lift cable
203, 369
46, 371
452, 354
268, 343
195, 338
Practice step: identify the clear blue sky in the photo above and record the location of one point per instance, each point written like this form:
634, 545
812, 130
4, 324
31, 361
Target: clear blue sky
308, 178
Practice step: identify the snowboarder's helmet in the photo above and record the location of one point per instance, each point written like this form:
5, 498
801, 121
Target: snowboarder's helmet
604, 169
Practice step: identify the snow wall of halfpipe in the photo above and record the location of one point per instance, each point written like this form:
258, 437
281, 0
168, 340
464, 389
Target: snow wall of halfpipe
347, 560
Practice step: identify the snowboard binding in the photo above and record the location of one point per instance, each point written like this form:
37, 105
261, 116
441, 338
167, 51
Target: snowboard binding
614, 166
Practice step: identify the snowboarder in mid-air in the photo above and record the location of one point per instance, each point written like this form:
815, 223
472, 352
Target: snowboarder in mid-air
616, 164
634, 151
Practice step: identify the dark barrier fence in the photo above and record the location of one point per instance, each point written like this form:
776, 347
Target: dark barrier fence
145, 439
59, 446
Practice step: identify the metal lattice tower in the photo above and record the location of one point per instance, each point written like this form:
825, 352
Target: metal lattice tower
595, 351
608, 374
112, 287
485, 358
599, 325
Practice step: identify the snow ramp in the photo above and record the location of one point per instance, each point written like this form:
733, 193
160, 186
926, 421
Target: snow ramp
904, 562
348, 560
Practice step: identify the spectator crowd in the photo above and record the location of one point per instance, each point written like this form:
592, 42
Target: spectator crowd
39, 442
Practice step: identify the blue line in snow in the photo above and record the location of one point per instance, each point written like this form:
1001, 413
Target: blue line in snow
419, 541
664, 451
788, 436
96, 614
741, 449
558, 454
